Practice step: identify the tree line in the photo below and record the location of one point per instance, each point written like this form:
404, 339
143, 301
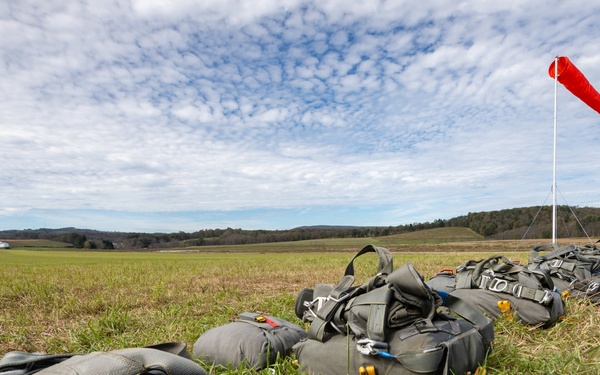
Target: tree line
515, 223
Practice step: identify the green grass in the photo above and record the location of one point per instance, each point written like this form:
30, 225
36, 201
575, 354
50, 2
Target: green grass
436, 235
65, 301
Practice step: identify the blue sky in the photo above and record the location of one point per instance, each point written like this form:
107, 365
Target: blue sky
163, 116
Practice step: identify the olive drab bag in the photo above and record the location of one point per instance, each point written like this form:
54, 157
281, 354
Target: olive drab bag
389, 325
574, 269
254, 340
497, 285
161, 359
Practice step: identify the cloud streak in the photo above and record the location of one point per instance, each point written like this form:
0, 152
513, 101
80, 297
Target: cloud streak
409, 111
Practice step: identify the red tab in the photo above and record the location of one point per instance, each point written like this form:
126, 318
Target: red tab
271, 323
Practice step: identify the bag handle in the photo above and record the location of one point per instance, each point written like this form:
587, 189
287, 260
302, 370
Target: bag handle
344, 290
385, 260
487, 262
554, 252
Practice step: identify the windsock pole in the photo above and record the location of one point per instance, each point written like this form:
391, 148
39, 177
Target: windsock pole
554, 161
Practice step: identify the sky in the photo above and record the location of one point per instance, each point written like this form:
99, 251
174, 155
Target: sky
181, 115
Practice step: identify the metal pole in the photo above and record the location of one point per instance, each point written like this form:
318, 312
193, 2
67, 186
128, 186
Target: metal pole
554, 163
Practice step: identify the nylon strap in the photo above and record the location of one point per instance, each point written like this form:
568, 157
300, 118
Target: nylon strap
337, 298
343, 291
385, 265
500, 285
484, 324
378, 300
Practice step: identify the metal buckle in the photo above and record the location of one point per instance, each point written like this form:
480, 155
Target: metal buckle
344, 296
495, 287
517, 290
547, 297
370, 347
319, 301
311, 304
484, 281
556, 263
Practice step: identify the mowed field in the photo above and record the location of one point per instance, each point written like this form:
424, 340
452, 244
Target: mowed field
58, 301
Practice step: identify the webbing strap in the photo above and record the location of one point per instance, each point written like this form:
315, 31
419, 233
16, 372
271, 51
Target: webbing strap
484, 324
378, 302
569, 266
338, 295
317, 329
518, 290
337, 298
421, 326
385, 265
376, 322
532, 294
555, 253
343, 291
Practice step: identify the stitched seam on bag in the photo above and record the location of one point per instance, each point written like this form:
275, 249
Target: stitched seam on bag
128, 361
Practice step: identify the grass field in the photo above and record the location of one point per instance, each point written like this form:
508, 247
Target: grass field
65, 301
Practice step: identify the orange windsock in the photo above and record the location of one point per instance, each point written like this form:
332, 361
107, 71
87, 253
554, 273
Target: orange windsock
575, 81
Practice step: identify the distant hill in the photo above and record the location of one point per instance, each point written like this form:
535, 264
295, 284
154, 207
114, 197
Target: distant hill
331, 227
531, 222
515, 223
445, 234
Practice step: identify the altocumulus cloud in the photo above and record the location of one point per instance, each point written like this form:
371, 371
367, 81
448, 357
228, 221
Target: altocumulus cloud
181, 115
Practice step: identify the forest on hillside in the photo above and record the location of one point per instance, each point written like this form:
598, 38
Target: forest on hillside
515, 223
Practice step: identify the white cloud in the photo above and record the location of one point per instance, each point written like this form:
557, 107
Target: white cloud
176, 106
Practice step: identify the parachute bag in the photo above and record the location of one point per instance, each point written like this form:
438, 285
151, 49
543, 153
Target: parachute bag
444, 281
496, 285
571, 267
587, 290
253, 339
389, 324
161, 359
